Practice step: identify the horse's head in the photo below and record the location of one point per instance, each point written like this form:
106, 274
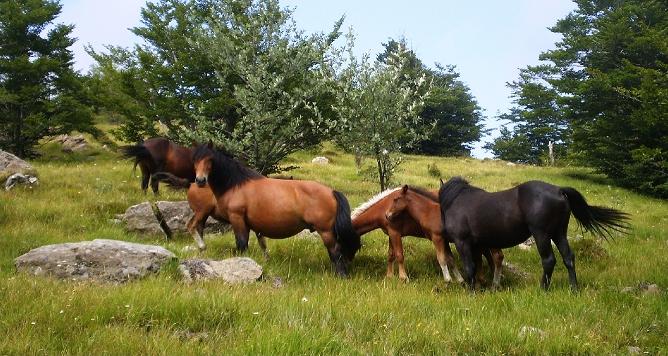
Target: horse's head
399, 204
203, 160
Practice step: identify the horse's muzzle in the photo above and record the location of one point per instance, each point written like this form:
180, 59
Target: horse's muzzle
200, 181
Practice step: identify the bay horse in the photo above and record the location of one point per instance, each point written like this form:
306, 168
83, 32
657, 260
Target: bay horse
276, 208
160, 155
203, 204
412, 211
476, 219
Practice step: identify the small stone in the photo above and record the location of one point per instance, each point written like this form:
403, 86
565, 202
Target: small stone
651, 289
527, 331
634, 350
231, 270
277, 282
510, 164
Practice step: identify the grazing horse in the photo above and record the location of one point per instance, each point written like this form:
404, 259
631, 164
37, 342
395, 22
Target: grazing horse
276, 208
160, 155
203, 204
416, 212
476, 219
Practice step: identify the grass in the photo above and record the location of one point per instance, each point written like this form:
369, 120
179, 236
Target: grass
315, 312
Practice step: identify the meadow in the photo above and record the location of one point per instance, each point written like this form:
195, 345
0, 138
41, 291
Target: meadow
315, 312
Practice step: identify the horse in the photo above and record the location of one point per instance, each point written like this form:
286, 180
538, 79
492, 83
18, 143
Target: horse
203, 204
476, 219
276, 208
160, 155
412, 211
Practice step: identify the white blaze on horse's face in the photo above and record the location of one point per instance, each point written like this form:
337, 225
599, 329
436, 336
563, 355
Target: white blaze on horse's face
202, 169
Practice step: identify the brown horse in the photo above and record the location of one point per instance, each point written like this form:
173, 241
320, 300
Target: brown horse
374, 214
160, 155
276, 208
203, 204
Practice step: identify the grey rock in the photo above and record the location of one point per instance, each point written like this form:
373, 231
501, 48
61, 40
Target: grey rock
634, 350
141, 218
19, 178
514, 269
277, 282
650, 289
510, 164
72, 143
320, 160
98, 260
10, 164
231, 270
176, 215
527, 331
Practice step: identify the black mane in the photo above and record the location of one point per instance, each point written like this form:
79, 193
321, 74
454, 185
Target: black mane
425, 193
226, 171
451, 189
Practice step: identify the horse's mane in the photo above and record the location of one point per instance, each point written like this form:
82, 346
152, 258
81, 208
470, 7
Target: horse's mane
425, 193
451, 189
226, 171
369, 203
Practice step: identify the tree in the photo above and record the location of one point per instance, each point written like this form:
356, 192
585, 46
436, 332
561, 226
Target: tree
40, 93
379, 106
452, 116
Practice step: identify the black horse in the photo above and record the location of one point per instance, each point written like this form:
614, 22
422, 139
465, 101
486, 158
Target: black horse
475, 219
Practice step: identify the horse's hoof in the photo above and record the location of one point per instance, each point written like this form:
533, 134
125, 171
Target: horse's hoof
404, 279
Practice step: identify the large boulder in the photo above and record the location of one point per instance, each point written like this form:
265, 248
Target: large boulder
10, 164
231, 270
176, 215
99, 260
141, 218
72, 143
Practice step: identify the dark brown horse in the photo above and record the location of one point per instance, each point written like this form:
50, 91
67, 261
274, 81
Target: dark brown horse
476, 219
411, 211
203, 204
160, 155
276, 208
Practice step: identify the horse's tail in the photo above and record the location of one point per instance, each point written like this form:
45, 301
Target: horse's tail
171, 180
598, 220
140, 154
346, 235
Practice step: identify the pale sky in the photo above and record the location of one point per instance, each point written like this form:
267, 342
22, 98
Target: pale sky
488, 41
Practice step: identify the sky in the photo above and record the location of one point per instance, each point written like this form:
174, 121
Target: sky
488, 41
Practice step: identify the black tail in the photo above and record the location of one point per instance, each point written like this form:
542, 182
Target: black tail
346, 236
598, 220
171, 180
140, 154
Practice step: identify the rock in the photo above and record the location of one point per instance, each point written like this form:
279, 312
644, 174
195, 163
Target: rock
509, 267
277, 282
510, 164
141, 218
18, 178
650, 289
527, 331
10, 164
320, 160
99, 260
72, 143
628, 289
176, 215
634, 350
526, 245
231, 270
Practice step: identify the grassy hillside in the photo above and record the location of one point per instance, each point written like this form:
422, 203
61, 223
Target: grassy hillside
315, 312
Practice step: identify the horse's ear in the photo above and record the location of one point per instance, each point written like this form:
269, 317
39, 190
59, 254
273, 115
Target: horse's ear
441, 179
404, 189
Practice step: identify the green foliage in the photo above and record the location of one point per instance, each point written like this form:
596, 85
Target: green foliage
40, 93
608, 81
379, 106
433, 170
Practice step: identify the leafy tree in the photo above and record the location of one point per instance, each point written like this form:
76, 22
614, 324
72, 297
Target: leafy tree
452, 117
40, 93
379, 106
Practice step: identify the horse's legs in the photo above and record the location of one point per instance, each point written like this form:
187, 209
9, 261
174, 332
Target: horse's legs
568, 257
450, 261
196, 229
547, 256
261, 240
439, 246
241, 231
497, 259
145, 176
390, 259
480, 272
466, 254
398, 247
154, 185
334, 251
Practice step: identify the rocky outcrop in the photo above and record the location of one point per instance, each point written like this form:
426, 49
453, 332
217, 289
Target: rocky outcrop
72, 143
231, 270
141, 218
10, 165
99, 260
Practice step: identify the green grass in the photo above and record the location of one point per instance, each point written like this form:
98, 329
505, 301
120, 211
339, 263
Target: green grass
315, 312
